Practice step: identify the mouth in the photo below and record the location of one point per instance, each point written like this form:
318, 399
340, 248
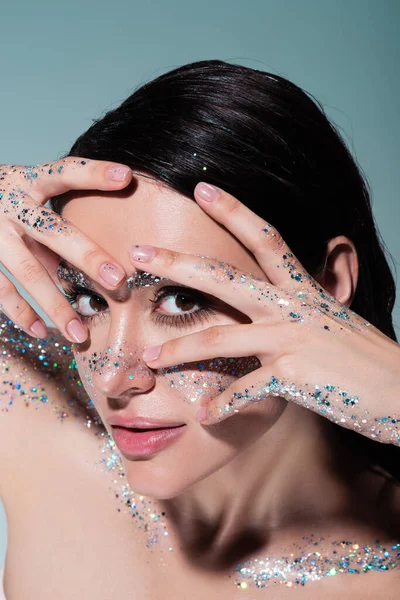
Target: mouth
140, 429
145, 441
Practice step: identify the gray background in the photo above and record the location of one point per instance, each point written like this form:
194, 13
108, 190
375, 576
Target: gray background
63, 64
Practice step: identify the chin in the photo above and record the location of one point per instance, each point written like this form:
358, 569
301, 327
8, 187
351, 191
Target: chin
146, 479
164, 477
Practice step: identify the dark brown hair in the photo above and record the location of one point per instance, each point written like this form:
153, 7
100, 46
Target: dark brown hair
269, 143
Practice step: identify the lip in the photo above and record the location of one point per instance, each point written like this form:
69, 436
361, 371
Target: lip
144, 443
141, 423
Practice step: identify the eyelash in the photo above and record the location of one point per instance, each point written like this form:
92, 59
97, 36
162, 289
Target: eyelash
202, 314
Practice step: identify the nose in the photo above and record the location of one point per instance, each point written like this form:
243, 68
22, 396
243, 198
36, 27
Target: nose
120, 383
119, 372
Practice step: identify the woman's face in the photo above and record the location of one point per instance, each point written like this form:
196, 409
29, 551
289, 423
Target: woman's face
150, 312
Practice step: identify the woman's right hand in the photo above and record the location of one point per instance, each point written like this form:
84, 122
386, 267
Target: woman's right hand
33, 238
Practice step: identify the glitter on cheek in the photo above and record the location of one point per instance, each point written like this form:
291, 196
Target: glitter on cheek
202, 381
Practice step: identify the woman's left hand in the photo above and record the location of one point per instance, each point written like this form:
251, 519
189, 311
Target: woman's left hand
313, 350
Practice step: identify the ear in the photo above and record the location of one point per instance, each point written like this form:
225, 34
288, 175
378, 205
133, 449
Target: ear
340, 274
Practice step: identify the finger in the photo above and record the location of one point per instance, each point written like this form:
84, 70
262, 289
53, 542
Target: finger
228, 341
34, 278
66, 240
70, 173
243, 291
19, 310
250, 389
273, 254
49, 259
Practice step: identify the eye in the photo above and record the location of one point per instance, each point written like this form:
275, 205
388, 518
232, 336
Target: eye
177, 303
88, 305
85, 302
180, 307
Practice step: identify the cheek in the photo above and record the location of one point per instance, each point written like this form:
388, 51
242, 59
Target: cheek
200, 382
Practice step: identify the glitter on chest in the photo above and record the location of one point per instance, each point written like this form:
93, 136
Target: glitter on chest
312, 560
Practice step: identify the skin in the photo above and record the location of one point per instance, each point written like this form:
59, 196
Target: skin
294, 484
280, 437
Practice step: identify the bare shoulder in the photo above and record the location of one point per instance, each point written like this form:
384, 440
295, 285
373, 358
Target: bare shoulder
39, 385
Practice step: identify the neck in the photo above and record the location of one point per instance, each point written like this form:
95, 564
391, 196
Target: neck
291, 479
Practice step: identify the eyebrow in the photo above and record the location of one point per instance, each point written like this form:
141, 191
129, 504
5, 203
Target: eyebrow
67, 272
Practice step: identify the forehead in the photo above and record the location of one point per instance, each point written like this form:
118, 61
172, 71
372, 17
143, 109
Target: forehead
150, 213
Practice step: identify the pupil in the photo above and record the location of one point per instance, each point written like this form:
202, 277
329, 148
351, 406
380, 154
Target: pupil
96, 303
180, 302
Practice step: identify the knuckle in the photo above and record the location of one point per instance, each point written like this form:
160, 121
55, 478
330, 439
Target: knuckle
294, 334
32, 271
169, 259
270, 235
232, 205
213, 336
171, 348
59, 165
6, 287
98, 170
23, 313
61, 309
286, 367
93, 257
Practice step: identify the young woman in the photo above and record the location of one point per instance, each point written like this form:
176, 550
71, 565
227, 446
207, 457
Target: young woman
216, 414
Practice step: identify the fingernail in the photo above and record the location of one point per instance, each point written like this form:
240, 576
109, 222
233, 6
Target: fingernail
39, 329
143, 253
151, 353
207, 192
77, 331
111, 274
201, 414
118, 173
